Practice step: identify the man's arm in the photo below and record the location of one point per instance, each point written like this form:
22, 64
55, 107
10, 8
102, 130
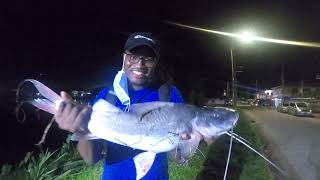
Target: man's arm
175, 96
74, 118
90, 151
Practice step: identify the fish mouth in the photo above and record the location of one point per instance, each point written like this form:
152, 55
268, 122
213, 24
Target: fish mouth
231, 116
232, 122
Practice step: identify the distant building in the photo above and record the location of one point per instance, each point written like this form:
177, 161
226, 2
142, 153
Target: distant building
308, 91
267, 94
304, 89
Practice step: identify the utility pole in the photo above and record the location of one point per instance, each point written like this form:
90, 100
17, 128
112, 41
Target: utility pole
233, 79
301, 88
228, 90
282, 78
256, 85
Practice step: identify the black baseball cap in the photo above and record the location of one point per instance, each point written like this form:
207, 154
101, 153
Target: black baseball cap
143, 39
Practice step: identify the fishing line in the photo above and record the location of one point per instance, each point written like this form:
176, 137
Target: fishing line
243, 139
201, 152
251, 148
18, 111
19, 108
228, 159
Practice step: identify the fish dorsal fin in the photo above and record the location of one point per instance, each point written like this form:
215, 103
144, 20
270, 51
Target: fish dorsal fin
142, 108
103, 105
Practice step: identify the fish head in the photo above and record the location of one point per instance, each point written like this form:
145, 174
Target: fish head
213, 122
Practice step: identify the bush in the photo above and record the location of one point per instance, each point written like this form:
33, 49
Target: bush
46, 165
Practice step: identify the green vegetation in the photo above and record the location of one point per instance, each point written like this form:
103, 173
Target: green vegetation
46, 166
244, 164
189, 170
66, 164
88, 173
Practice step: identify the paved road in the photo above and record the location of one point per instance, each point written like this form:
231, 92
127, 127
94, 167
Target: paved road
294, 142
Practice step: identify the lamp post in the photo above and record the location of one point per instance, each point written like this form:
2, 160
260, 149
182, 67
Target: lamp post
245, 37
233, 78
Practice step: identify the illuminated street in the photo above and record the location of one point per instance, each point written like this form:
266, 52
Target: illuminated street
292, 141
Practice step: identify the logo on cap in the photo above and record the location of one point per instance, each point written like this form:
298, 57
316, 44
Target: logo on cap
139, 36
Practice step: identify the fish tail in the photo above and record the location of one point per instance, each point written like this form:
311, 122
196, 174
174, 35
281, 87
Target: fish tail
49, 100
45, 91
45, 105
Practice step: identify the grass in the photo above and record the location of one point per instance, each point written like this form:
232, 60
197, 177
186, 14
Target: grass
256, 168
190, 170
88, 173
176, 172
244, 164
45, 166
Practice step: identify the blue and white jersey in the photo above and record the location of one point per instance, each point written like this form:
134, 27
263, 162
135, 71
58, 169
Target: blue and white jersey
119, 163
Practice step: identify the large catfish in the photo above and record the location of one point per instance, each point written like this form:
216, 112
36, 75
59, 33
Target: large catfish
154, 127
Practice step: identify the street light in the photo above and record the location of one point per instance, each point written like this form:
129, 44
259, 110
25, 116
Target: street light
245, 37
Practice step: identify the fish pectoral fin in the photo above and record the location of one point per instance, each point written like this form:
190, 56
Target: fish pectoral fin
143, 163
44, 104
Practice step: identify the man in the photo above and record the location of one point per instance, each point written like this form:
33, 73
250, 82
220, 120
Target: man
135, 83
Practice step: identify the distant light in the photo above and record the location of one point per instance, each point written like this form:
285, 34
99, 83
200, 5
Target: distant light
268, 92
256, 38
246, 37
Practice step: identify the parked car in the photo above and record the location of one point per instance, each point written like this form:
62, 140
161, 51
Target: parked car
265, 102
216, 102
261, 103
254, 103
299, 109
229, 102
283, 107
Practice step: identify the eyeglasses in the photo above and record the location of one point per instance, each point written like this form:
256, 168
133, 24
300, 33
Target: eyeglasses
133, 59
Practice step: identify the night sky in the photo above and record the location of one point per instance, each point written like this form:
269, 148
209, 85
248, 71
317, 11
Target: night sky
78, 44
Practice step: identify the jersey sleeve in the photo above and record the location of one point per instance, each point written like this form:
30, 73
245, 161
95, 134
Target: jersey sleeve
176, 96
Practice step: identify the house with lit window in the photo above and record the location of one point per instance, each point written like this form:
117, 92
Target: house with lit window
308, 91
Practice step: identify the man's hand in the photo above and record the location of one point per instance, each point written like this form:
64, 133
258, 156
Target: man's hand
209, 141
72, 117
186, 136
